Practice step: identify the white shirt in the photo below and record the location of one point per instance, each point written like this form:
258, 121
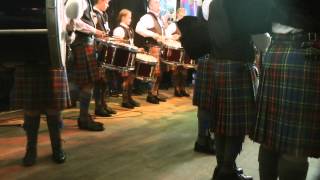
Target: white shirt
119, 31
282, 29
171, 29
79, 24
145, 23
206, 9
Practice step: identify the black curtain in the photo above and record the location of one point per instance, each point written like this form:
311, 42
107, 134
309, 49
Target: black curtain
138, 8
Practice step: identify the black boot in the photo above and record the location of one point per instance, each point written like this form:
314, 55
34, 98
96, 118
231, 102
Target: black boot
208, 148
58, 155
31, 126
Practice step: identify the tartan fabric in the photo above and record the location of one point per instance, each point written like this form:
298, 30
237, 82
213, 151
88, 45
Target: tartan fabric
288, 119
38, 87
224, 88
155, 52
84, 68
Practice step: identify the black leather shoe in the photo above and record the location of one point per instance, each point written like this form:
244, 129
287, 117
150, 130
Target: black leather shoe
127, 105
102, 112
239, 172
30, 157
153, 100
177, 93
161, 98
206, 149
110, 110
184, 93
134, 103
90, 125
59, 156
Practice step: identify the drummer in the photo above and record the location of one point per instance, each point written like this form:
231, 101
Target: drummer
126, 34
179, 73
100, 86
83, 71
151, 27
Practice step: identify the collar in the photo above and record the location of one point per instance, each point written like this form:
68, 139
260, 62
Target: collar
157, 14
95, 8
124, 25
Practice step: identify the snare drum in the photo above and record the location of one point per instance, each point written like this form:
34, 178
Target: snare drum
120, 56
189, 63
172, 53
145, 67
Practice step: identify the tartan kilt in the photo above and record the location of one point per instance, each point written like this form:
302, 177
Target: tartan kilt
84, 68
224, 88
39, 87
155, 52
288, 119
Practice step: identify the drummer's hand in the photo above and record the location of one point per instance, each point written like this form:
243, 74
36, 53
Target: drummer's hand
161, 39
156, 36
175, 37
100, 34
141, 50
70, 27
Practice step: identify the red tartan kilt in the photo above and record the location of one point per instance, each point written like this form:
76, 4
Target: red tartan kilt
288, 101
155, 52
38, 87
225, 89
84, 69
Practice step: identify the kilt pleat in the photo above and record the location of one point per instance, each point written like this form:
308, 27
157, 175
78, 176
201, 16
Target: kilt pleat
224, 88
39, 87
288, 113
84, 69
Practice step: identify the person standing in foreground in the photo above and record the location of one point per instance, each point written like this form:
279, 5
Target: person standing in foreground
223, 89
83, 71
287, 125
151, 27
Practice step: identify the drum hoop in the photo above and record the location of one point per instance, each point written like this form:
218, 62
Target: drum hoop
172, 47
114, 45
56, 32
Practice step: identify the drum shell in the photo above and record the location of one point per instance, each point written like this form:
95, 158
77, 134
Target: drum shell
118, 58
172, 55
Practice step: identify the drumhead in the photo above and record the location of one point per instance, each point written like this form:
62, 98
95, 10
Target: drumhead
117, 44
146, 58
173, 44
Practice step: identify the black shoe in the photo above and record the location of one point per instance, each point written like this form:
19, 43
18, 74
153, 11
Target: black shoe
134, 103
161, 98
184, 93
59, 156
110, 110
102, 112
239, 172
54, 127
153, 100
90, 125
30, 157
227, 176
127, 105
206, 149
177, 93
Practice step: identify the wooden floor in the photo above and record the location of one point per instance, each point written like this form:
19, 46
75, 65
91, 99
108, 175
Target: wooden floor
153, 142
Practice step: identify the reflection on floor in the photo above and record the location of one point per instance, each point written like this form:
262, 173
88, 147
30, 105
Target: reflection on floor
153, 142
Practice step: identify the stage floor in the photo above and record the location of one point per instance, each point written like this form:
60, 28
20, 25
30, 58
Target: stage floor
152, 142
